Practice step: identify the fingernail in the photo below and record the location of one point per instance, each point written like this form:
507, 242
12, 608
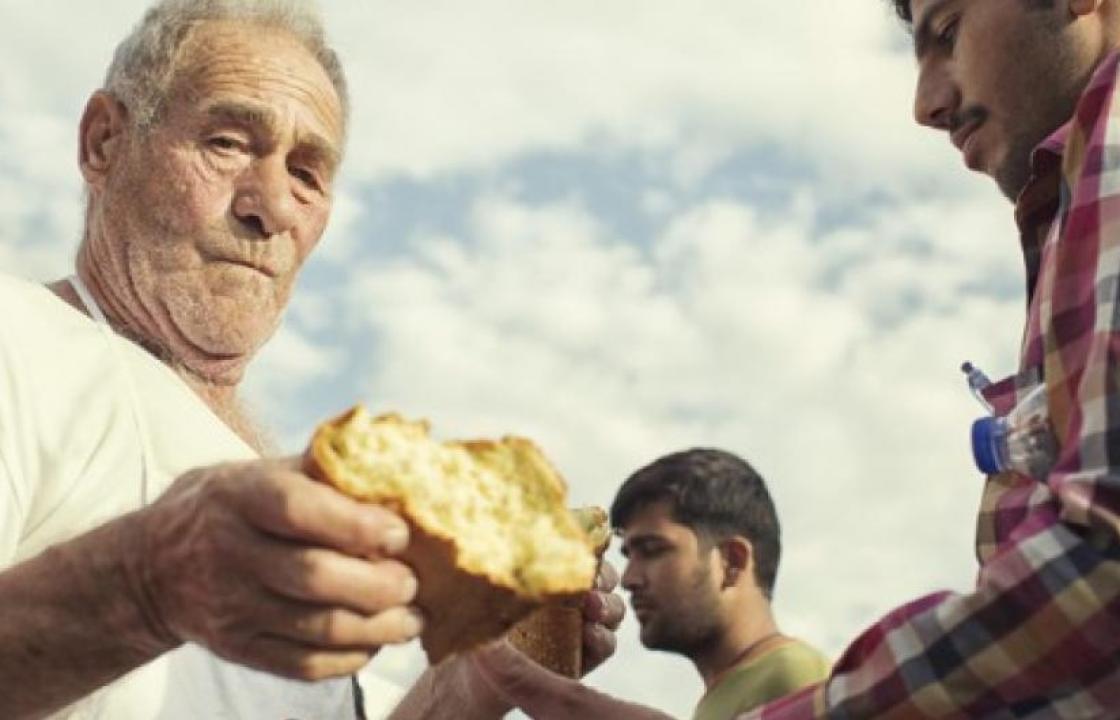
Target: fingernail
394, 537
408, 587
413, 622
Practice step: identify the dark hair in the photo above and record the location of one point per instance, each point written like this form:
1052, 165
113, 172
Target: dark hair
717, 495
902, 9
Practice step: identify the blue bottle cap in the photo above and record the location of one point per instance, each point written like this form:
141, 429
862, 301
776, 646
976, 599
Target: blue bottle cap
985, 431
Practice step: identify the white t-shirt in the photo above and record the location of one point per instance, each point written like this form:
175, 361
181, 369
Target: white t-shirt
92, 427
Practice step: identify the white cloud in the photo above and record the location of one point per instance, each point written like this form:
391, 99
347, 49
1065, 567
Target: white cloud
538, 321
289, 363
439, 87
40, 196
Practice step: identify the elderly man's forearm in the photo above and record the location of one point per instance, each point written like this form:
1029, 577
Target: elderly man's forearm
69, 626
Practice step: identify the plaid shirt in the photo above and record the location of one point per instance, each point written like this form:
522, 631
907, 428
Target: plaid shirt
1040, 636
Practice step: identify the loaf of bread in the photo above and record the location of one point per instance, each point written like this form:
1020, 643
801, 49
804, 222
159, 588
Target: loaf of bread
491, 538
552, 635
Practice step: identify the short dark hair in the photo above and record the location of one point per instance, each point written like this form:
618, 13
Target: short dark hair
902, 9
717, 495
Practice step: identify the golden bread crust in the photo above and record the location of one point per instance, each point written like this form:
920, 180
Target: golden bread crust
553, 634
467, 596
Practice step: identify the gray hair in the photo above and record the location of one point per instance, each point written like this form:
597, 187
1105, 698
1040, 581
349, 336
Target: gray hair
144, 64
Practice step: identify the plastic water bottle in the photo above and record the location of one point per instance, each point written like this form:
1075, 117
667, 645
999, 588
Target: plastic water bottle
977, 381
1022, 441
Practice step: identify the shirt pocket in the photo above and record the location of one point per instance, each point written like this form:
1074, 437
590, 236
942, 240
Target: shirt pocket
1008, 498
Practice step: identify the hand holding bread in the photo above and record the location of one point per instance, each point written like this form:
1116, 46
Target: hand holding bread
491, 538
268, 568
553, 634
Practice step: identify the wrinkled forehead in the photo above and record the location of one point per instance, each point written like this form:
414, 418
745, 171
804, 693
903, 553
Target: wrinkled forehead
229, 61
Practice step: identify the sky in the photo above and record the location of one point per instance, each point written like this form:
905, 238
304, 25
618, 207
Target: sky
622, 229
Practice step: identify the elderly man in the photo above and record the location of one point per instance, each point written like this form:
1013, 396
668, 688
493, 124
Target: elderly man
141, 579
1027, 92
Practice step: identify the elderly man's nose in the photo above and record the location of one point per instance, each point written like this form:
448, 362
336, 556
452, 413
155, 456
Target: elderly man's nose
266, 201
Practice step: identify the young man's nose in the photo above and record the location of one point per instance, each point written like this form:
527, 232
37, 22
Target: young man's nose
936, 96
631, 577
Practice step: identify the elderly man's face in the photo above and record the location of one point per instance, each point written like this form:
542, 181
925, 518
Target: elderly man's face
212, 212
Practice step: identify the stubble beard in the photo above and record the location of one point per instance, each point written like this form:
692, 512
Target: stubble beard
209, 318
1062, 80
691, 625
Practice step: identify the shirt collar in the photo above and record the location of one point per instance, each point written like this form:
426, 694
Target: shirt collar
1038, 204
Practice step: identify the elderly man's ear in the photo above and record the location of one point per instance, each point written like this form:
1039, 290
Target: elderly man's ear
104, 123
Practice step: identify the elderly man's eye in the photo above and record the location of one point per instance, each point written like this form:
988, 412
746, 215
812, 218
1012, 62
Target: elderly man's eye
305, 176
224, 143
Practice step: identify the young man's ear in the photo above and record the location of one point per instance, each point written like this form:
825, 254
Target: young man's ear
104, 123
1080, 8
738, 559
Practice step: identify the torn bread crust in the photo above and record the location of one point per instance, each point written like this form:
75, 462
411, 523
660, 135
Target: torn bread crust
491, 538
552, 635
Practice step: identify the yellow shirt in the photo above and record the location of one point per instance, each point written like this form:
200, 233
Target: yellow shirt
776, 673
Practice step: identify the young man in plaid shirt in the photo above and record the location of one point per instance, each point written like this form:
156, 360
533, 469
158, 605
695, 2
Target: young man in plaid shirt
1027, 92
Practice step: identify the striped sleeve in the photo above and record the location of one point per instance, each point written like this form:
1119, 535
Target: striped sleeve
1043, 624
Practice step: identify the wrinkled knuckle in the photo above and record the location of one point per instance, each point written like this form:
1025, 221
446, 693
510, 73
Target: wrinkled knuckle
309, 576
332, 628
215, 487
306, 626
290, 509
260, 494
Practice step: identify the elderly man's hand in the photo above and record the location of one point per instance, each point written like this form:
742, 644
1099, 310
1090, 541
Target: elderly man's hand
270, 569
603, 611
